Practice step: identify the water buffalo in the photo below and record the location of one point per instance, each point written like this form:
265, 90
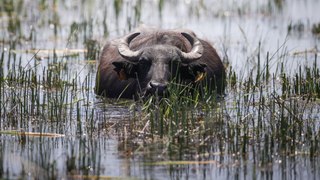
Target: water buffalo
146, 61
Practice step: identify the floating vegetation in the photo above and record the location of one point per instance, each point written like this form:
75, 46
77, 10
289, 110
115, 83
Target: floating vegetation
298, 27
31, 134
41, 54
165, 163
316, 29
94, 177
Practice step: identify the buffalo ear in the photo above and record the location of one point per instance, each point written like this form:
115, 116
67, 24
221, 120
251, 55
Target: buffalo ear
125, 70
195, 71
198, 67
118, 66
199, 72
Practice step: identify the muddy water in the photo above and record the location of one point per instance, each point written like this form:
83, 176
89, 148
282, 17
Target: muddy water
95, 143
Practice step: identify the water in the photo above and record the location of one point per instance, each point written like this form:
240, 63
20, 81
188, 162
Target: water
98, 139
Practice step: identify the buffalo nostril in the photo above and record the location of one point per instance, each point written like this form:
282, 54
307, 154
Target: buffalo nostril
158, 87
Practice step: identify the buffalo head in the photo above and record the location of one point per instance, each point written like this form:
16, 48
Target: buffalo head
154, 66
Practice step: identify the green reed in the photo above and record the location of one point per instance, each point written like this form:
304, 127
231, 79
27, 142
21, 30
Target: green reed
48, 95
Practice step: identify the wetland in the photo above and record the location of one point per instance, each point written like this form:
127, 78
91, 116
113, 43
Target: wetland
266, 126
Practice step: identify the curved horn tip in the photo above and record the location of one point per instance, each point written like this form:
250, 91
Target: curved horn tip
132, 36
123, 47
197, 48
191, 38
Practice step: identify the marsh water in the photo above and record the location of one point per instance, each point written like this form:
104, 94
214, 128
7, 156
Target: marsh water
49, 52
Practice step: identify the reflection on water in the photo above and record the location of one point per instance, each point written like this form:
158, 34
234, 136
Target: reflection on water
51, 91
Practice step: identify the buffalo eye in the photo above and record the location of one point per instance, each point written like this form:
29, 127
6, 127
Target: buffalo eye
143, 65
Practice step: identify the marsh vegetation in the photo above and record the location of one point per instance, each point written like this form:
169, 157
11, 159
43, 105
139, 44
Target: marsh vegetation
53, 125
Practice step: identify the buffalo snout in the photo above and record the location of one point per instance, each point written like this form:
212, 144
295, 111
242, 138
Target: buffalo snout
157, 88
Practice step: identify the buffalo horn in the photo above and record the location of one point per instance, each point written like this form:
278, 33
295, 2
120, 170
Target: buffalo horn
124, 49
196, 51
